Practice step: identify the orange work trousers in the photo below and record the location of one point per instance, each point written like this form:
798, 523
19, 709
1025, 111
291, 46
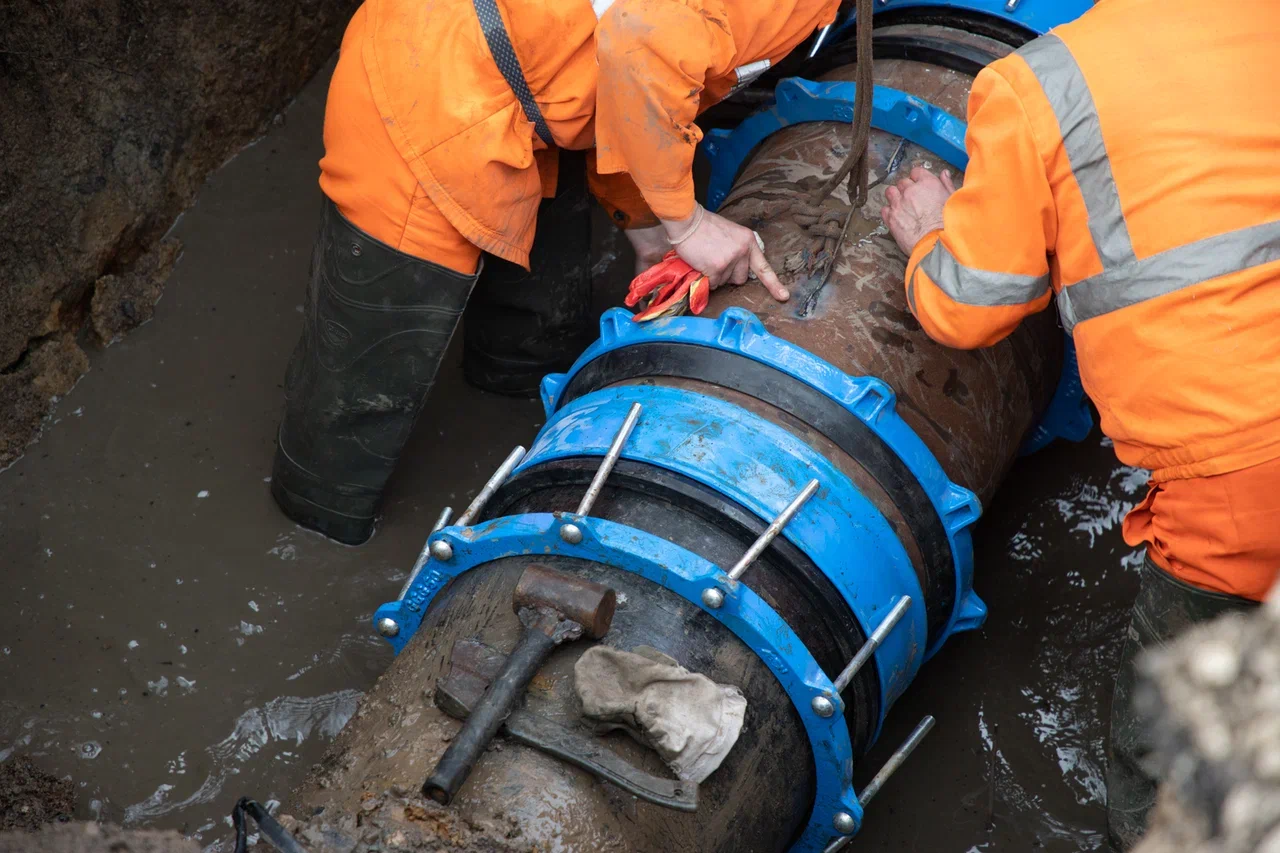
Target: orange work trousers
1220, 533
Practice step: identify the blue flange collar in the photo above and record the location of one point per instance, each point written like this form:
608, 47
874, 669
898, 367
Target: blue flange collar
869, 399
797, 101
687, 575
762, 467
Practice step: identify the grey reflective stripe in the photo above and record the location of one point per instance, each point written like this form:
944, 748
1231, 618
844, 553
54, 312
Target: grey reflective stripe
1072, 102
1169, 271
970, 286
504, 56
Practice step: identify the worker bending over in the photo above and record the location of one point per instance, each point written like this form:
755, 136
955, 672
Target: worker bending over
1127, 168
447, 137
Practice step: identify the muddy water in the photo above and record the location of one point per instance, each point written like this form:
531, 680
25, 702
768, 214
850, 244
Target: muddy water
171, 642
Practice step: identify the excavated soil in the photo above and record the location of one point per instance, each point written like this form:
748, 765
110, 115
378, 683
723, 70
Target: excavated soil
31, 798
113, 113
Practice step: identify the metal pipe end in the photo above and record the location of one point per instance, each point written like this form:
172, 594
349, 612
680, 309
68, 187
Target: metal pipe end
844, 823
823, 707
713, 598
442, 550
571, 533
388, 627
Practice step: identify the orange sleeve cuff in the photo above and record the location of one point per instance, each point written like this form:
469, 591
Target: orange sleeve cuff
675, 203
620, 197
921, 249
955, 324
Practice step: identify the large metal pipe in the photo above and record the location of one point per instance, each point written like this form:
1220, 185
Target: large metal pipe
736, 416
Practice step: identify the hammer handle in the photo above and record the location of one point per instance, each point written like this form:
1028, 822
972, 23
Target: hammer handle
488, 716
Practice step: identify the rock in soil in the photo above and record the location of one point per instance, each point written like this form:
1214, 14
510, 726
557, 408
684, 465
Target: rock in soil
123, 302
1214, 695
30, 797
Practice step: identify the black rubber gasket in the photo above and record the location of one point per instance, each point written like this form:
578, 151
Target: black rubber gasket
934, 51
797, 589
730, 370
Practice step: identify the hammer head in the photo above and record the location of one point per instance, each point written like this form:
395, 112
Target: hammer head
589, 604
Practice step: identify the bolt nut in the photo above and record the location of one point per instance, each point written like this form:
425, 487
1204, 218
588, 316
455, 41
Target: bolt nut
823, 707
387, 627
442, 550
571, 533
712, 597
844, 823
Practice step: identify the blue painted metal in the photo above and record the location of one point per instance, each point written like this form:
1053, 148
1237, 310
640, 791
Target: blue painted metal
869, 399
1036, 17
797, 101
686, 574
1068, 415
760, 466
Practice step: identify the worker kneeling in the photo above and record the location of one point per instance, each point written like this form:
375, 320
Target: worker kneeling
1136, 183
454, 130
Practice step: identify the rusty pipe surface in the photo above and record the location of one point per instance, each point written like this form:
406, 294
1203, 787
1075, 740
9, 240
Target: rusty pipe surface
972, 408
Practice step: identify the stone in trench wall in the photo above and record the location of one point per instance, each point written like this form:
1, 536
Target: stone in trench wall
112, 113
1214, 696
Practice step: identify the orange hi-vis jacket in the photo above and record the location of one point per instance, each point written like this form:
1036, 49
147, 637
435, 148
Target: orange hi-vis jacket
625, 76
1127, 167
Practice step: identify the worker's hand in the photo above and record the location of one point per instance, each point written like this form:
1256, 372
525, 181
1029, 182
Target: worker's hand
650, 245
724, 251
914, 207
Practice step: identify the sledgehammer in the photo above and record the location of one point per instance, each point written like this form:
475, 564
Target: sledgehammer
553, 608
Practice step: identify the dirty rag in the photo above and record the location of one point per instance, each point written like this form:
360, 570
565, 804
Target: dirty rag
690, 720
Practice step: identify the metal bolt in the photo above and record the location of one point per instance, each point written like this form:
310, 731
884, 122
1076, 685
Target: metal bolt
355, 249
712, 597
571, 533
822, 706
774, 528
387, 627
442, 550
844, 823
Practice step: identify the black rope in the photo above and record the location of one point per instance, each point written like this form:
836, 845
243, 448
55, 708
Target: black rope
268, 827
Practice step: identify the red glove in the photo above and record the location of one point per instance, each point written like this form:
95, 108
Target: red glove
678, 285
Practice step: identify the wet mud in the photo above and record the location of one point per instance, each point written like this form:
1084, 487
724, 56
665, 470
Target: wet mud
170, 642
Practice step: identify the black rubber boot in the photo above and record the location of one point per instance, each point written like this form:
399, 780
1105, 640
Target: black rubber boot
1164, 609
521, 325
377, 324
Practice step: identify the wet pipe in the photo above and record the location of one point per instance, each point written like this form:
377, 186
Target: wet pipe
781, 495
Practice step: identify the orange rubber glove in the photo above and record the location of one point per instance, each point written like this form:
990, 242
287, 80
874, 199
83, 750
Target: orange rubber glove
678, 287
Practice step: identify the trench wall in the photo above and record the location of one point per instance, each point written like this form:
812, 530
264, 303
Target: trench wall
112, 113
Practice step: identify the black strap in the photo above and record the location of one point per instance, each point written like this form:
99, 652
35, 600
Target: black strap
268, 827
495, 33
